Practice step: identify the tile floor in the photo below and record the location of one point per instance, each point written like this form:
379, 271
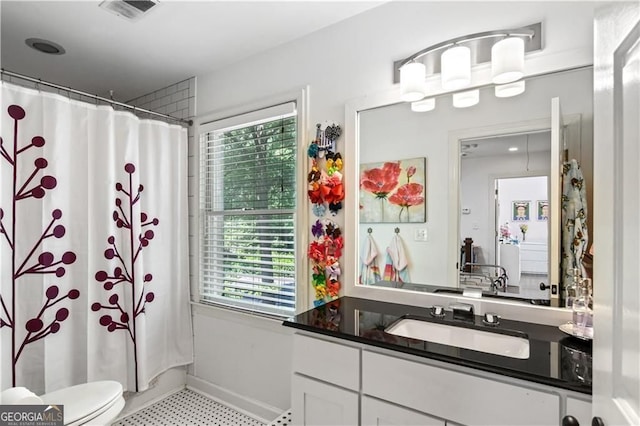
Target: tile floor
187, 407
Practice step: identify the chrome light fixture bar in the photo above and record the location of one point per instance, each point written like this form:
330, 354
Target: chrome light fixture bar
480, 45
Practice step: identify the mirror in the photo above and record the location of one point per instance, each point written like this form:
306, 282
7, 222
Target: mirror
450, 142
505, 212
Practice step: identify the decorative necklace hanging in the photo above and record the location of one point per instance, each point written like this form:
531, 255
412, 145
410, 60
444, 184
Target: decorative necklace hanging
325, 190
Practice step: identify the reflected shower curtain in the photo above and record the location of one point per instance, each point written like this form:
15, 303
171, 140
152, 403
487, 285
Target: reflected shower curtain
575, 235
93, 244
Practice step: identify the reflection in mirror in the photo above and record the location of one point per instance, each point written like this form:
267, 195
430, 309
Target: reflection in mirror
455, 140
504, 189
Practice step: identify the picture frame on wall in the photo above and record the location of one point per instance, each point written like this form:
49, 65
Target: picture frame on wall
520, 211
542, 209
394, 191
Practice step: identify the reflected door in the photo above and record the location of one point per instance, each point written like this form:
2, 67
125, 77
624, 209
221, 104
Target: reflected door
522, 229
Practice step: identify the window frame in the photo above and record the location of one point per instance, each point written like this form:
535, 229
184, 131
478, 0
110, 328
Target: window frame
301, 226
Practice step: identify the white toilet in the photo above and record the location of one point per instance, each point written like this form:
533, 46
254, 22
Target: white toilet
95, 403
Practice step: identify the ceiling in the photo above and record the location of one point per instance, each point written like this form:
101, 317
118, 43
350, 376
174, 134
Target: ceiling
173, 41
496, 146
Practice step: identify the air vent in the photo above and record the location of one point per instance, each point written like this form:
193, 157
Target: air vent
131, 10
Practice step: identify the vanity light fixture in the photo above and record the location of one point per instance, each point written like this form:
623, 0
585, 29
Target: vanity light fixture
424, 105
466, 99
456, 67
412, 84
454, 59
510, 89
513, 149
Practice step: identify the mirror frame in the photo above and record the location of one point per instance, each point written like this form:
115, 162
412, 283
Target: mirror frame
540, 314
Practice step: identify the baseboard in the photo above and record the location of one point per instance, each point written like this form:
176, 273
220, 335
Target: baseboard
251, 407
165, 384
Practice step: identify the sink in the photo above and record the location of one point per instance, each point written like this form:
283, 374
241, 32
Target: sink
468, 338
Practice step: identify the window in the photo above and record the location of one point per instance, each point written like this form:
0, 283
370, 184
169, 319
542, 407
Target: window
248, 211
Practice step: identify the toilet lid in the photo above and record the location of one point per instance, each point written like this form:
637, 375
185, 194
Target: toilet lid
83, 400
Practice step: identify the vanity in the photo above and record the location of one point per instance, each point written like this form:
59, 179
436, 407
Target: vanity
534, 258
349, 368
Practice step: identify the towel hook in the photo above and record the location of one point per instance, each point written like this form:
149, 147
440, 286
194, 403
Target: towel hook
397, 230
369, 230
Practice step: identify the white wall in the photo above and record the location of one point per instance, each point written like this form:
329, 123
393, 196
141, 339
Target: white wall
348, 60
530, 189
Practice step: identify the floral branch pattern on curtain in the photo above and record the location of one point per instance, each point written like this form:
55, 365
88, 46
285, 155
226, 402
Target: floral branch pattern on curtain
125, 271
40, 324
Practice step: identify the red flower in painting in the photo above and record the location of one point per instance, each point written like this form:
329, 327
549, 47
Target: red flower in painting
409, 194
381, 181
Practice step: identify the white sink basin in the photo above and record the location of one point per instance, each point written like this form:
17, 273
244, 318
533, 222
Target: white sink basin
468, 338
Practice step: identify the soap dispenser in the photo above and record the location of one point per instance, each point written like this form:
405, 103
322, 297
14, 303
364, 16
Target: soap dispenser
583, 311
573, 290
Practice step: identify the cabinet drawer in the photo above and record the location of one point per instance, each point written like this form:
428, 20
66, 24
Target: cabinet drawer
381, 413
534, 266
331, 362
455, 396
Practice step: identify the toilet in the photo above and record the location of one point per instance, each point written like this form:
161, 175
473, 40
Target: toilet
94, 403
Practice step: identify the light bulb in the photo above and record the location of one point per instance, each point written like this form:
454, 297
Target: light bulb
424, 105
509, 89
466, 99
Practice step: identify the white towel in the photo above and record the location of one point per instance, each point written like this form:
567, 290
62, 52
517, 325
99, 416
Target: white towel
369, 251
396, 253
395, 268
369, 271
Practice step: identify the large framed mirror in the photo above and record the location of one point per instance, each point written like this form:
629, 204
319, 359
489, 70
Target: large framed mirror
488, 210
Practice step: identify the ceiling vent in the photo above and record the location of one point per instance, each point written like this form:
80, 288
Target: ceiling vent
131, 10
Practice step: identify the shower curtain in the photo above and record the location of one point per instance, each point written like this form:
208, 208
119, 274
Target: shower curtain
93, 244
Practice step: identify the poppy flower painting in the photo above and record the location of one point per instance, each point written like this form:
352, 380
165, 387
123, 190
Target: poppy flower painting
393, 191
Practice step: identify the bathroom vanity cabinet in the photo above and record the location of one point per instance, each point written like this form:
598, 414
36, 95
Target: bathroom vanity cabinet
534, 258
393, 389
339, 379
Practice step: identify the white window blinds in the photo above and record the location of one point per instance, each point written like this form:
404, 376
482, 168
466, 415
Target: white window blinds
248, 210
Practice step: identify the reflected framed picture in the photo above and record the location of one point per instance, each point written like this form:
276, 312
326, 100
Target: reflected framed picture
520, 210
393, 191
542, 209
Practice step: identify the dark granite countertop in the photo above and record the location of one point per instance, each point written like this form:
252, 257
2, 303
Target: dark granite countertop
555, 358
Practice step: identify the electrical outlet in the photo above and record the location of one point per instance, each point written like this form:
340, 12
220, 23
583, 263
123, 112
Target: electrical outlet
421, 234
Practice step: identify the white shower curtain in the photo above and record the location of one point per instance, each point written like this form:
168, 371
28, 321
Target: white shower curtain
93, 244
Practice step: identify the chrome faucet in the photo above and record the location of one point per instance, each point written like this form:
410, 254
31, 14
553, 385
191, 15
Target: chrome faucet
462, 309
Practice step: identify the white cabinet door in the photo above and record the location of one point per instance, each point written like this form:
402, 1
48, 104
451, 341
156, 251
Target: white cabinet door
317, 403
381, 413
616, 361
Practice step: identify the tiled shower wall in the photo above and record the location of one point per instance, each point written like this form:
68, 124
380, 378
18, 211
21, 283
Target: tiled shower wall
179, 100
